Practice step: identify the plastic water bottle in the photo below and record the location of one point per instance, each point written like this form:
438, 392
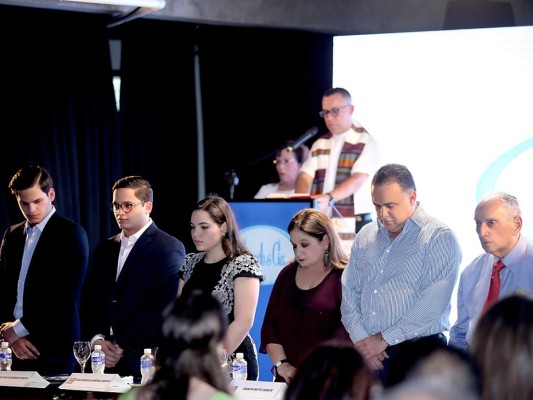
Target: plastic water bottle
98, 360
240, 367
147, 366
5, 357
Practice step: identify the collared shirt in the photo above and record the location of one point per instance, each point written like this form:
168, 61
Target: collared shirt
330, 150
33, 235
126, 244
474, 286
401, 288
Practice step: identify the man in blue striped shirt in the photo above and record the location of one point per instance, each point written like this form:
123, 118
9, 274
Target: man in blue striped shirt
402, 271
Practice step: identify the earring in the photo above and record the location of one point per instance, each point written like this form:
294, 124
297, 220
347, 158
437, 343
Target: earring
326, 257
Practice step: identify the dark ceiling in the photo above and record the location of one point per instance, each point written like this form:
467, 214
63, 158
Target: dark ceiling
327, 16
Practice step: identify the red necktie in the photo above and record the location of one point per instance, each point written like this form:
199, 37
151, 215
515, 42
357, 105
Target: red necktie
494, 289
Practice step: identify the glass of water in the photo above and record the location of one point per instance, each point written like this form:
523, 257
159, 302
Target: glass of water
82, 352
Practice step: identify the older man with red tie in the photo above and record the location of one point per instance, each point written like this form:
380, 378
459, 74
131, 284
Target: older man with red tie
507, 265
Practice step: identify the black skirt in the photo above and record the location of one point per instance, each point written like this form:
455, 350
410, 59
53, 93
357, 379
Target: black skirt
248, 348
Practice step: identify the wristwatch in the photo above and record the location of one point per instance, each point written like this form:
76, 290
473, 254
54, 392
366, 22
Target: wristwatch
331, 198
278, 363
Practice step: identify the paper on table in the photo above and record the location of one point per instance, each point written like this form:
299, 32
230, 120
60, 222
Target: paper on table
29, 379
258, 390
96, 383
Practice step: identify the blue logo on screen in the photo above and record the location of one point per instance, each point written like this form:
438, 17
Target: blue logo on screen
271, 246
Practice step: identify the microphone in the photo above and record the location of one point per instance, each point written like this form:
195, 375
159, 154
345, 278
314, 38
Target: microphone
304, 138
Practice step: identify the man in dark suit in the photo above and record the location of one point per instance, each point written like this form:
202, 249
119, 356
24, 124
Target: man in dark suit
132, 278
43, 261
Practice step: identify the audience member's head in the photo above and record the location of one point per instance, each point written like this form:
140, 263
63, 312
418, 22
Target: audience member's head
333, 371
433, 371
192, 333
434, 360
420, 389
503, 346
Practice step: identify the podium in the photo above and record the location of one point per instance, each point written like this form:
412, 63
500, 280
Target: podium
263, 226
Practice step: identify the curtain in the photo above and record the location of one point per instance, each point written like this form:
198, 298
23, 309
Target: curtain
57, 107
258, 87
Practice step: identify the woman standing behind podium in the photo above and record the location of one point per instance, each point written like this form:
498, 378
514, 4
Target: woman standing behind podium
304, 307
226, 268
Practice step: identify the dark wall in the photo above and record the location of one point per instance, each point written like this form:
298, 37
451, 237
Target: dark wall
57, 108
259, 87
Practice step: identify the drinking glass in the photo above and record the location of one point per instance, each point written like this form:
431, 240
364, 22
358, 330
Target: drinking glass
225, 362
82, 352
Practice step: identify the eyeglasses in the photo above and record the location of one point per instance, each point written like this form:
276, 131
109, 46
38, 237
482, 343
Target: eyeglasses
126, 207
333, 111
283, 161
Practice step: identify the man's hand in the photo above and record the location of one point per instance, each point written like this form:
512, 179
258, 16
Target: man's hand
377, 361
322, 200
8, 333
24, 349
371, 346
113, 353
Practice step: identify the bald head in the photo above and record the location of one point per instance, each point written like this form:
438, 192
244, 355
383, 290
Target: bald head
498, 223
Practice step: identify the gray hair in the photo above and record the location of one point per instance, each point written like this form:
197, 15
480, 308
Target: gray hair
509, 201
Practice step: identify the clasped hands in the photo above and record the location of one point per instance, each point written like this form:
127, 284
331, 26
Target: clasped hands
372, 348
21, 346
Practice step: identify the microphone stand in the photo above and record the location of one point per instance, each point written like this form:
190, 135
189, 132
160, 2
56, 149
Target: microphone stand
232, 178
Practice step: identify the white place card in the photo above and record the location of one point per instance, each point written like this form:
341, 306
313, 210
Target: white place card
30, 379
96, 383
258, 390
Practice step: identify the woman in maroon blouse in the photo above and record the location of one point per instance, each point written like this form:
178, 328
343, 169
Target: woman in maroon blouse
304, 308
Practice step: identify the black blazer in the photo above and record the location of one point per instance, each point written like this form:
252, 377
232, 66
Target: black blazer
51, 291
134, 303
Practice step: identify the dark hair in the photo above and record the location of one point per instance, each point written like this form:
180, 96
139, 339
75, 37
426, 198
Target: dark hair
503, 346
429, 357
193, 326
338, 90
220, 212
30, 176
317, 224
395, 173
300, 153
143, 190
333, 371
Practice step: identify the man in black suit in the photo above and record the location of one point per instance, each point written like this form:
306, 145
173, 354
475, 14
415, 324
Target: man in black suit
43, 261
132, 278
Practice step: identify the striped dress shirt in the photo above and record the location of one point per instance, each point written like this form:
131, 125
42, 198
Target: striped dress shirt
401, 288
